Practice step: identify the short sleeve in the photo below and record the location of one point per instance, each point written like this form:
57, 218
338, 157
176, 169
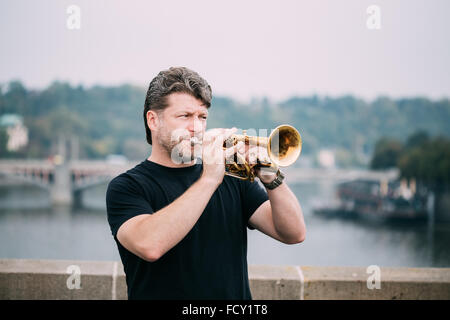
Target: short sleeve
124, 200
253, 195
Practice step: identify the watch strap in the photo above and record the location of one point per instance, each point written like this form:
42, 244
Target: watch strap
276, 182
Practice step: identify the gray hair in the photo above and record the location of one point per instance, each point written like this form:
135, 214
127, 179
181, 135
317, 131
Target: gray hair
175, 79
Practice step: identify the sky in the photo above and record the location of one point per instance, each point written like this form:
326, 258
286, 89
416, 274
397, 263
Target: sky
244, 49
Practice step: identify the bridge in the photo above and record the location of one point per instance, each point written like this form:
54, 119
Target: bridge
335, 175
62, 174
66, 177
65, 180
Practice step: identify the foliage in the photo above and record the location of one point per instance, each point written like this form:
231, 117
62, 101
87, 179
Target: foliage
109, 119
421, 157
428, 162
386, 154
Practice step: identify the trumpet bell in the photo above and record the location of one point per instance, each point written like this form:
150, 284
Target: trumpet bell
284, 145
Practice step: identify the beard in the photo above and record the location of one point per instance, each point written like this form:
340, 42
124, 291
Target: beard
182, 152
177, 144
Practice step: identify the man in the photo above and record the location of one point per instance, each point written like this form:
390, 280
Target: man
179, 222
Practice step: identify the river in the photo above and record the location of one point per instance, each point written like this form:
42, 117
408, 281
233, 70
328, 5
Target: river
30, 229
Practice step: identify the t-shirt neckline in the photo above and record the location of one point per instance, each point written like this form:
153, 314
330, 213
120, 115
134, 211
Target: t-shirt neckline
183, 170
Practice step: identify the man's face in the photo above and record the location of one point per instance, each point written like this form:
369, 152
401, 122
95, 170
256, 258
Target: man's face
183, 118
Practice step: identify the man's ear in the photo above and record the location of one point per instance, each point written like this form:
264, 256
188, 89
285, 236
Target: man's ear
153, 120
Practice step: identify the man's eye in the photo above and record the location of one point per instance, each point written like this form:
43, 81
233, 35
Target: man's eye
205, 117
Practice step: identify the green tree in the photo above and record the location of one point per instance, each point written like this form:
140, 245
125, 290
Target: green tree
3, 143
386, 154
417, 139
429, 163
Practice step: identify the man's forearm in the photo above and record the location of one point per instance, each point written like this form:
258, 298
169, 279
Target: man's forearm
165, 228
287, 214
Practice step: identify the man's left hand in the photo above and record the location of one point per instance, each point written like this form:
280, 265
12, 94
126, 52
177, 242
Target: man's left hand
252, 153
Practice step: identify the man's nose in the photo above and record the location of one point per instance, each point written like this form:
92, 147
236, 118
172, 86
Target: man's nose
195, 126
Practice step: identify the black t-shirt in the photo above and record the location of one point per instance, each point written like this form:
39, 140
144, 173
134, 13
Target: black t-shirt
210, 262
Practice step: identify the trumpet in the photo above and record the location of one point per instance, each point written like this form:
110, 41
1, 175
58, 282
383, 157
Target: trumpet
284, 146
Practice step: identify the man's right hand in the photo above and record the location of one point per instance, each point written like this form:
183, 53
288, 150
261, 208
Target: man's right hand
214, 155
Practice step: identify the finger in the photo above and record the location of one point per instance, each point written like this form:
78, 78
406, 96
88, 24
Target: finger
240, 147
229, 152
213, 133
219, 132
218, 149
226, 136
263, 156
252, 155
218, 140
213, 152
229, 132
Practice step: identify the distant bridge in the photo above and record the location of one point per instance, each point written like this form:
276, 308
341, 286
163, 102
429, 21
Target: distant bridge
334, 175
67, 180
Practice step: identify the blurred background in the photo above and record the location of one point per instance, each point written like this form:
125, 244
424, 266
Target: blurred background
366, 83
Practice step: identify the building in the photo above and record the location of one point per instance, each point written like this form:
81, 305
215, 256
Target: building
16, 131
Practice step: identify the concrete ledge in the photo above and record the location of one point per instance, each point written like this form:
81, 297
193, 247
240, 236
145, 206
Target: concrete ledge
275, 282
48, 279
105, 280
396, 283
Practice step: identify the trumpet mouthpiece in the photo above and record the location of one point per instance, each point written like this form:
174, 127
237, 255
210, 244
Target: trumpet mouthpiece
194, 141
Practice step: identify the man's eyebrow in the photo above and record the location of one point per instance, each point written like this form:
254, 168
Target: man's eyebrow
183, 111
190, 112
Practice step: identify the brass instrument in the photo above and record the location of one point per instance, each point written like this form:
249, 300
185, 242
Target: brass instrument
283, 145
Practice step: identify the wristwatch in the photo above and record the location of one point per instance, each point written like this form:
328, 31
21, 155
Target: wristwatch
276, 182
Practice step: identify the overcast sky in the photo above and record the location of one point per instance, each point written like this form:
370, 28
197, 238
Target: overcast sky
243, 48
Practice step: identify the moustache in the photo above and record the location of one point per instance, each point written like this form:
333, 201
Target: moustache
193, 140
